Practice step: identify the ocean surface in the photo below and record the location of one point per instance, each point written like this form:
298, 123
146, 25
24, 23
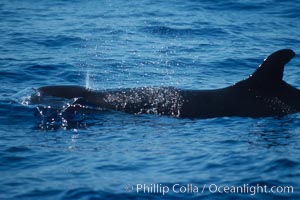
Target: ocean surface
107, 44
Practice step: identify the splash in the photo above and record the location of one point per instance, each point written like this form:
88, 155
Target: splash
146, 100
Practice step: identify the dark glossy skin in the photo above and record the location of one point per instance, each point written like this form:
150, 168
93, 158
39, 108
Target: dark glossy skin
240, 101
263, 94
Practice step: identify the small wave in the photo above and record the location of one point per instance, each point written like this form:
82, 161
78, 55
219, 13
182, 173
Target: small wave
281, 164
88, 193
40, 194
236, 6
61, 40
12, 159
62, 73
52, 41
47, 68
291, 13
183, 32
79, 193
18, 149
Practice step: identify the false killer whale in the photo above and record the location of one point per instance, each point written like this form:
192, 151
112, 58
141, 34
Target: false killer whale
262, 94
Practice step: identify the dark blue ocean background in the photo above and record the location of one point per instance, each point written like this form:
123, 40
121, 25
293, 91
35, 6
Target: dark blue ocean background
119, 44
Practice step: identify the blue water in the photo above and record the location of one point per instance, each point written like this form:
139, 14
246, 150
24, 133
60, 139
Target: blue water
120, 44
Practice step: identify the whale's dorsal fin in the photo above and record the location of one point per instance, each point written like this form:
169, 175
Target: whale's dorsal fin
270, 72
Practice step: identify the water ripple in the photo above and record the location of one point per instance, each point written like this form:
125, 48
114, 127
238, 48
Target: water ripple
164, 31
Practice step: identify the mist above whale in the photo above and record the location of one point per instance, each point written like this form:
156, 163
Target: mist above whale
262, 94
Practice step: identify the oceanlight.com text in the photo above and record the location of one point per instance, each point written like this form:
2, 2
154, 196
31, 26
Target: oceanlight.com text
163, 189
